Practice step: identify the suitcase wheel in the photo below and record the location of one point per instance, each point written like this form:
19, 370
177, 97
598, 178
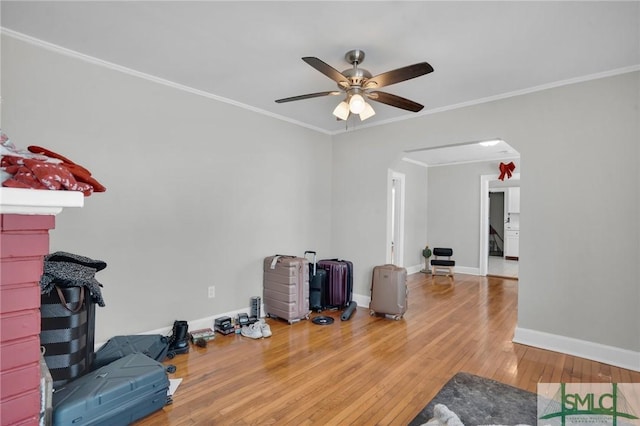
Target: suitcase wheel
397, 317
372, 313
171, 354
171, 368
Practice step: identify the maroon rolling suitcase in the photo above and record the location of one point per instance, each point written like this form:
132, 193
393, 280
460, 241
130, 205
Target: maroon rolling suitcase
340, 282
286, 287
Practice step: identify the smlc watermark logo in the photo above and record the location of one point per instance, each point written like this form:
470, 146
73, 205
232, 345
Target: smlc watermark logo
589, 404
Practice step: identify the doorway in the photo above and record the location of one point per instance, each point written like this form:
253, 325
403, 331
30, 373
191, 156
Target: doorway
395, 215
492, 263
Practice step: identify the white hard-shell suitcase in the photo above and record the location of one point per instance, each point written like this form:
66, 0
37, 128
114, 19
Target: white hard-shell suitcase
389, 291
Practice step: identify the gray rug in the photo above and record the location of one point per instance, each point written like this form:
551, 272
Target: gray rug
480, 401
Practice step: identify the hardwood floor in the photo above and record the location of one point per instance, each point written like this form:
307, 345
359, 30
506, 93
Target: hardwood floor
369, 370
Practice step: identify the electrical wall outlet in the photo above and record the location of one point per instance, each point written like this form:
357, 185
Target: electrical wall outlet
212, 291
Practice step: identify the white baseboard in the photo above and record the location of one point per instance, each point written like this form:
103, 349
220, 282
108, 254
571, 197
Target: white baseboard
414, 269
594, 351
206, 322
362, 300
457, 270
466, 270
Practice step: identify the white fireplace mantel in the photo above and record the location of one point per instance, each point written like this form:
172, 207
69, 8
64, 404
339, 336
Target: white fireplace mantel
38, 201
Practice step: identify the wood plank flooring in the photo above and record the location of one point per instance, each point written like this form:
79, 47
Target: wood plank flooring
369, 370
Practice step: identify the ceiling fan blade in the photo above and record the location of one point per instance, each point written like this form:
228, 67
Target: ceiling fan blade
327, 70
398, 75
395, 101
308, 96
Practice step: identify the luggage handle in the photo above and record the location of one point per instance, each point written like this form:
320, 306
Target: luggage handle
274, 261
315, 255
63, 300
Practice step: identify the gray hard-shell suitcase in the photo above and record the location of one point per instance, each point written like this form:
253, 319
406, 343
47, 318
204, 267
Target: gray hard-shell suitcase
155, 346
286, 287
389, 291
117, 394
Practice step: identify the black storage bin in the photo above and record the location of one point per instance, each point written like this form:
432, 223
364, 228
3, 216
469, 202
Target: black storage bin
67, 332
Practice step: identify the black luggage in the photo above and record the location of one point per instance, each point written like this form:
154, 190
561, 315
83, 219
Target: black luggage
117, 394
67, 328
317, 285
340, 282
155, 346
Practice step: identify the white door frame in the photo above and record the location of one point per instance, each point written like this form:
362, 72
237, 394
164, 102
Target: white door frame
398, 249
484, 219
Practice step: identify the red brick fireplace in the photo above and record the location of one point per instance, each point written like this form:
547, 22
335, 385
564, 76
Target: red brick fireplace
26, 216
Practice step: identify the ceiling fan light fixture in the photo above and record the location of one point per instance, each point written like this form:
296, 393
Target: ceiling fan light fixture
356, 104
367, 112
342, 111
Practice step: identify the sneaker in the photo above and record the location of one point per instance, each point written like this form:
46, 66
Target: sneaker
252, 330
264, 328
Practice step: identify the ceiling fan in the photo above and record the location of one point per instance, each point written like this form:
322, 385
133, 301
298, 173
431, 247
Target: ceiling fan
358, 84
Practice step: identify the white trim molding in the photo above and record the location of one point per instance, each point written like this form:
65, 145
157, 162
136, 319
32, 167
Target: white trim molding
361, 300
115, 67
467, 270
414, 269
611, 355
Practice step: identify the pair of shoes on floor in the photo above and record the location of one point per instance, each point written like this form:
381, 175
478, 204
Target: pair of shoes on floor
257, 330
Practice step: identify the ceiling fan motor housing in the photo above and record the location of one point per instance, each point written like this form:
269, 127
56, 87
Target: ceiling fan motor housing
356, 76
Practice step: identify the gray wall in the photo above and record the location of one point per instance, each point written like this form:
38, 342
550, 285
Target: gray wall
579, 147
198, 191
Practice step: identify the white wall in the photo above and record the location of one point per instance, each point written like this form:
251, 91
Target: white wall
198, 191
579, 146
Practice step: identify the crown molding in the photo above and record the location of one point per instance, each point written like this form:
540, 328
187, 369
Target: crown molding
115, 67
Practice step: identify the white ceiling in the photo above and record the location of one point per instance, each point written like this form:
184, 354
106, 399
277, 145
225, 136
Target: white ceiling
249, 52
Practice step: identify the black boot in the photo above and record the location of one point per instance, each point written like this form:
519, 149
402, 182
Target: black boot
179, 339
